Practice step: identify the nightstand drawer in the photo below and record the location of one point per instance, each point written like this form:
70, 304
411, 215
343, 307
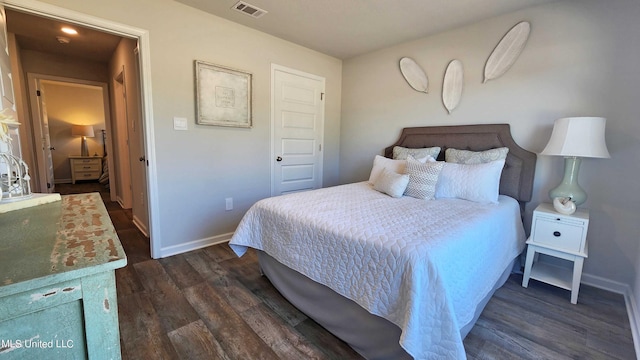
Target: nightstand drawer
86, 167
89, 175
87, 161
558, 234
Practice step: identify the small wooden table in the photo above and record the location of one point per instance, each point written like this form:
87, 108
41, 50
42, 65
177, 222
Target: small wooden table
57, 281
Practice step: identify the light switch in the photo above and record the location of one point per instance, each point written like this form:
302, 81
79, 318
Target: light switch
179, 123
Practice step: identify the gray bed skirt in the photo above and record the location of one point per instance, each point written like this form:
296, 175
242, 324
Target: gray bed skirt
371, 336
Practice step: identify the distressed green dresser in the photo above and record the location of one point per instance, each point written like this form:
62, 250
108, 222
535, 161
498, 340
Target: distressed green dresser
57, 281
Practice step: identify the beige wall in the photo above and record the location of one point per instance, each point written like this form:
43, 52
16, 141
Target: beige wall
581, 59
50, 64
197, 169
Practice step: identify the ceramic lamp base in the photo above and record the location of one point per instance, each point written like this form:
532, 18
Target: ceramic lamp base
84, 149
569, 187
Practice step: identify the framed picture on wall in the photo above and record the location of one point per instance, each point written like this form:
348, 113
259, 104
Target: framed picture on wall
223, 96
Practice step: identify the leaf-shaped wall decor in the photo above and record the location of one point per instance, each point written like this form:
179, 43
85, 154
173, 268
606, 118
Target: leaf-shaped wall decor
507, 51
414, 75
452, 85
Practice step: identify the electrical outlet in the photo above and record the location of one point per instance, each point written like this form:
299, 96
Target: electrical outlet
229, 204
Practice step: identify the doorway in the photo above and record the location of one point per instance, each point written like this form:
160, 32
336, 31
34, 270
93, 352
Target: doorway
141, 37
57, 105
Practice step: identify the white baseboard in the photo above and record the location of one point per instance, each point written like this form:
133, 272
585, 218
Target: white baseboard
629, 299
140, 225
194, 245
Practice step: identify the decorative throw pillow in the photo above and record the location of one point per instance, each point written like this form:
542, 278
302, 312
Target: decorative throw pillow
381, 162
422, 155
473, 182
391, 183
475, 157
422, 178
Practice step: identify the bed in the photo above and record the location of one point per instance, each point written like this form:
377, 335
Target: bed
396, 278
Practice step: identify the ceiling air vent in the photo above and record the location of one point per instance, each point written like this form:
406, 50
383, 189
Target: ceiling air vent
249, 9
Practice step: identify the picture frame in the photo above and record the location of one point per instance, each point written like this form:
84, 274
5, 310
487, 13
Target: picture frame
223, 96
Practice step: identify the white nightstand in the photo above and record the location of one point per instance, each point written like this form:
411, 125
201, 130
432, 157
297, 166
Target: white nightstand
561, 236
85, 167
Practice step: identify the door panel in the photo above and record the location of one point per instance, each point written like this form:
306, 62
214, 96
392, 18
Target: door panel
298, 147
294, 120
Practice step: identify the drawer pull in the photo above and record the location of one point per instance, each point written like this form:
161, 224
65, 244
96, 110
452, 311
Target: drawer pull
556, 233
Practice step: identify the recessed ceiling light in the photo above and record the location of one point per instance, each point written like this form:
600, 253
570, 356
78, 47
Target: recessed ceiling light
70, 31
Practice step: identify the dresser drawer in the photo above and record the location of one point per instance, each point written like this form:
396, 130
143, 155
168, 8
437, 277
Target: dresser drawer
562, 234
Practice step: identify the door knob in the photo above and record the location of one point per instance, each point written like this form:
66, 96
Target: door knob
279, 158
142, 158
52, 148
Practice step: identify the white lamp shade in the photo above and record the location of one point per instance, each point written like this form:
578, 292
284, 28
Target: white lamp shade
82, 130
579, 137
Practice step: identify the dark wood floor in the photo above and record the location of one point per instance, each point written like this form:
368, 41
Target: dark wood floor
209, 304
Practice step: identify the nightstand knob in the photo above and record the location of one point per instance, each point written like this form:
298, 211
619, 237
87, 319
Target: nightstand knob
556, 233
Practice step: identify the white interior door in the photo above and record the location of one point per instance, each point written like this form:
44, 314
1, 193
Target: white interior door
137, 158
123, 172
44, 159
297, 104
46, 144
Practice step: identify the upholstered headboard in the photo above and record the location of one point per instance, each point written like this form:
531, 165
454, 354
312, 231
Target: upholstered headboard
517, 175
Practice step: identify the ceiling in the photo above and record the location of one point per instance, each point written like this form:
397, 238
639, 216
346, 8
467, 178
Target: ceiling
39, 34
340, 28
346, 28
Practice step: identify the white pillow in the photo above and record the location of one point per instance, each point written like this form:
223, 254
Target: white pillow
381, 162
473, 182
421, 154
475, 157
422, 178
391, 183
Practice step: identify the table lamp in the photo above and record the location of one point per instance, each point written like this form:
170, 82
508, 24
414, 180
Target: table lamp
575, 138
84, 131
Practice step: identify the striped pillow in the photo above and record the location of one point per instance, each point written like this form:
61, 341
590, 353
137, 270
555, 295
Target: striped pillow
422, 178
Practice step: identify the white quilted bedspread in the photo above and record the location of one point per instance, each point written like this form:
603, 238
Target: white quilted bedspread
423, 265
